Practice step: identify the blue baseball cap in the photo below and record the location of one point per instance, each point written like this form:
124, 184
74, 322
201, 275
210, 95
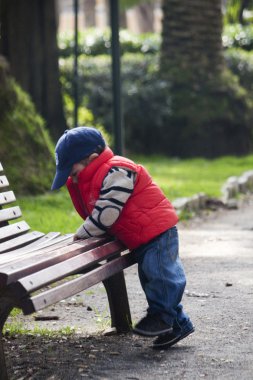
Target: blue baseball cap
72, 147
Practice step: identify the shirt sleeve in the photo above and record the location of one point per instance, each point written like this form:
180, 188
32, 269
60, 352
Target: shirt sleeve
117, 187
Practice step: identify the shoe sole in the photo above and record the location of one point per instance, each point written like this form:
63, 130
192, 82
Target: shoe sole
172, 342
150, 333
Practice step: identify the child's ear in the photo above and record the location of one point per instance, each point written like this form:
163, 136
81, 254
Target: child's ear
93, 156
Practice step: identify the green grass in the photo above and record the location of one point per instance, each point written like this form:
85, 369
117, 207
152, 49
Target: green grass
15, 312
17, 328
177, 178
184, 178
52, 211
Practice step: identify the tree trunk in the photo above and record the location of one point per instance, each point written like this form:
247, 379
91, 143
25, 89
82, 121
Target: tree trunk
140, 19
191, 36
89, 13
28, 31
145, 17
210, 114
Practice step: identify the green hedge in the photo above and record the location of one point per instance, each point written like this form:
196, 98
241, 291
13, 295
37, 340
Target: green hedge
212, 120
95, 81
240, 63
94, 42
238, 36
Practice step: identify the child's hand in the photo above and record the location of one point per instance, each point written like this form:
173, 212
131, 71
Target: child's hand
80, 233
76, 237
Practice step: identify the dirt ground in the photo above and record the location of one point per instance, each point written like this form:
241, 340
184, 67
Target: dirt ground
217, 252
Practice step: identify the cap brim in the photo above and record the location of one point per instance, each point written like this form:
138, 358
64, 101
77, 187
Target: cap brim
60, 178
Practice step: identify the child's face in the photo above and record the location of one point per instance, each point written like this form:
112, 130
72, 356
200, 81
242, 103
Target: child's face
79, 166
76, 169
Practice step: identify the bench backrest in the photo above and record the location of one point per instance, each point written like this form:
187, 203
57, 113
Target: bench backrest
13, 234
17, 235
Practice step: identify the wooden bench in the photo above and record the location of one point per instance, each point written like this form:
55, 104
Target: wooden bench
30, 262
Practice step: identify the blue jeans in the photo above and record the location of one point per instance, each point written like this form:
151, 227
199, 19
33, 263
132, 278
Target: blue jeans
162, 278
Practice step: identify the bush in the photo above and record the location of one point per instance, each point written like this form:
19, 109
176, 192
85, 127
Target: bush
240, 62
238, 36
25, 146
212, 119
95, 89
94, 42
209, 119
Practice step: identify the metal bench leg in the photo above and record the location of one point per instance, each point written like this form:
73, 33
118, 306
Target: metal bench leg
118, 302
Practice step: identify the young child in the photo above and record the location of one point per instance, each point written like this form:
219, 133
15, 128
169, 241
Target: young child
116, 196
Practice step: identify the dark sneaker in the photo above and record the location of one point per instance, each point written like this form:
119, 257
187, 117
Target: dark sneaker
151, 325
169, 339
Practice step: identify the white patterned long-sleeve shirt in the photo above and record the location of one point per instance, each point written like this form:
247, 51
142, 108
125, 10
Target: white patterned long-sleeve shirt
116, 188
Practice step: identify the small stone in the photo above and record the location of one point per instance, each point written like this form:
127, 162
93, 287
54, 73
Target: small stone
110, 331
232, 204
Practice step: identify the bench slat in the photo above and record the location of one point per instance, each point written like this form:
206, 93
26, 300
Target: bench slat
7, 197
23, 254
77, 285
53, 244
43, 241
20, 241
56, 272
48, 237
13, 230
3, 181
44, 258
10, 214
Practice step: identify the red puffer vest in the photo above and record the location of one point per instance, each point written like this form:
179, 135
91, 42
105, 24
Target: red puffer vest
146, 214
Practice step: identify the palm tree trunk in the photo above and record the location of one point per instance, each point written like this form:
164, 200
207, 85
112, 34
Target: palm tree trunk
191, 36
209, 112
